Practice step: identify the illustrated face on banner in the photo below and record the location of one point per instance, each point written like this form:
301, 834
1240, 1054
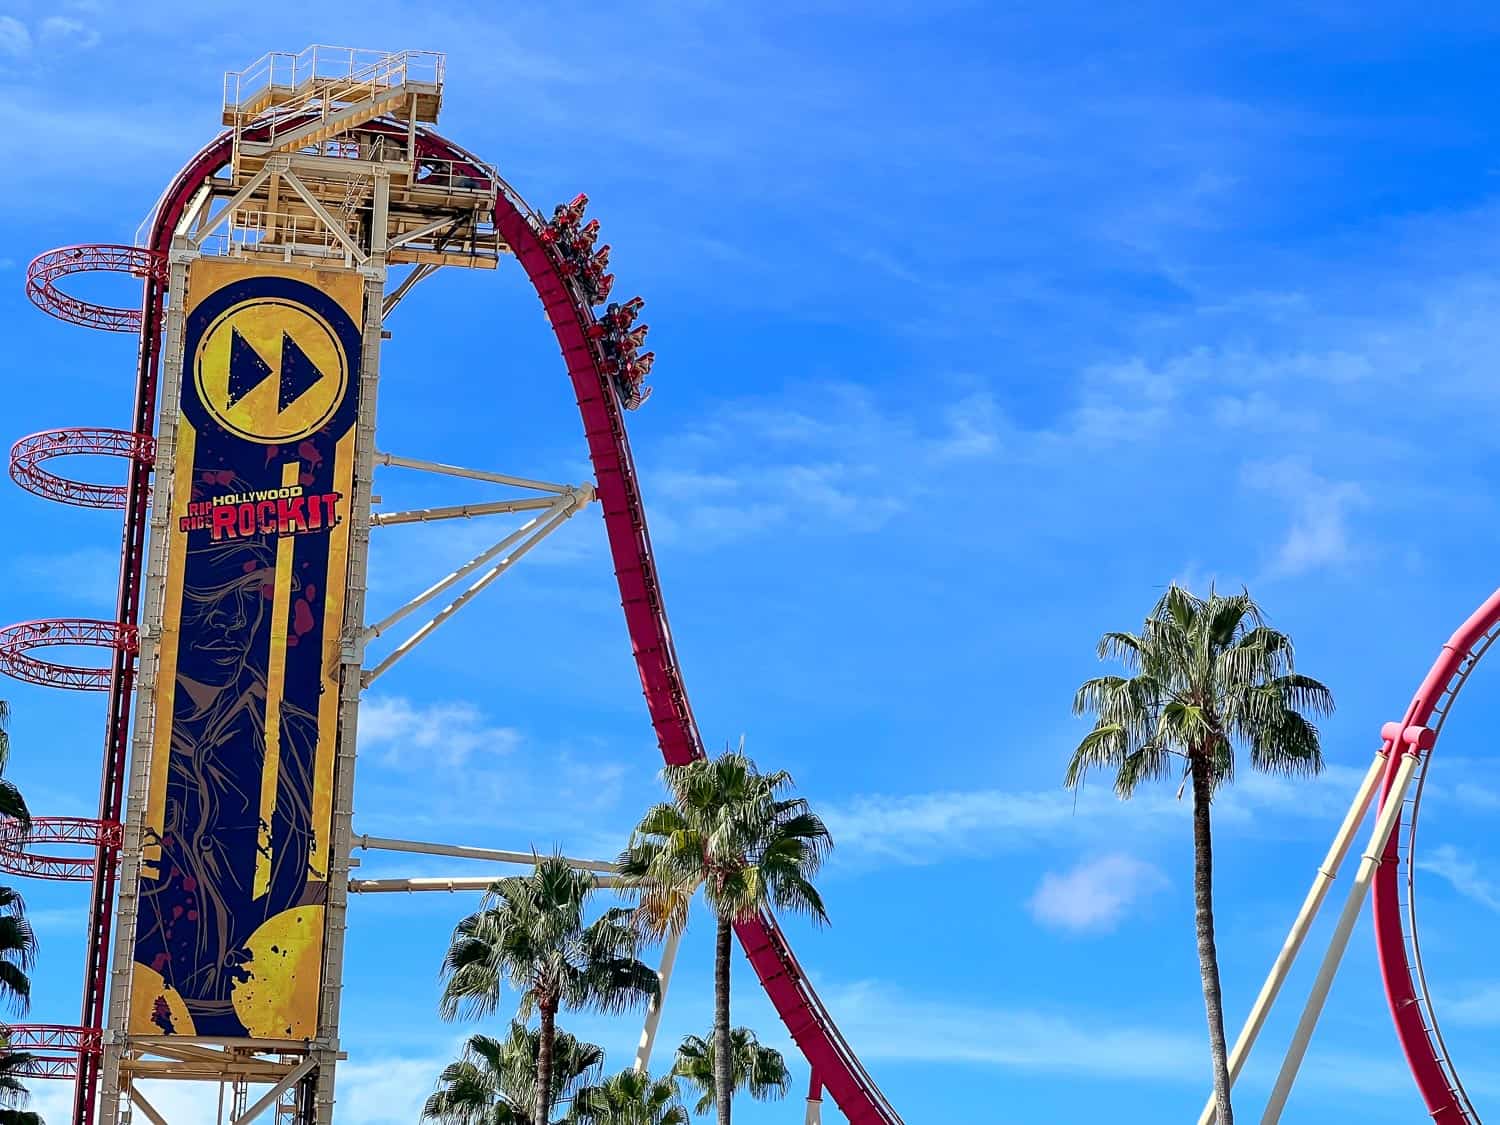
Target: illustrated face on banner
230, 937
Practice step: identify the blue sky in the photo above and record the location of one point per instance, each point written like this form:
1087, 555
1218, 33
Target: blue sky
977, 324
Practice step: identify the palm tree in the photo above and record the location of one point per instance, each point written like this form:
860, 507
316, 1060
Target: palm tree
17, 939
13, 812
530, 931
494, 1081
13, 1095
1206, 675
758, 1070
631, 1097
734, 832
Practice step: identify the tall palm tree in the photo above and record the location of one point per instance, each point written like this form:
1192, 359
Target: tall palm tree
1206, 675
530, 931
629, 1098
760, 1071
494, 1081
734, 832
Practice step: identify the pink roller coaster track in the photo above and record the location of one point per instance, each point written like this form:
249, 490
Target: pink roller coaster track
1396, 932
834, 1064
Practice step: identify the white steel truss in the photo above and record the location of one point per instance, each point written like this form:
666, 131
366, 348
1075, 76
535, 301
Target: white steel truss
555, 505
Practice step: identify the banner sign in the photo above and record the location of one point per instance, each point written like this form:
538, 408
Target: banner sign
229, 941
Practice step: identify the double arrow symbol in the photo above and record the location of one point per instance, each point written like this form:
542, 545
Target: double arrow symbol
247, 370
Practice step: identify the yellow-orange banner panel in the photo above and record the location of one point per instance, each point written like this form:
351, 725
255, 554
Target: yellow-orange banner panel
230, 937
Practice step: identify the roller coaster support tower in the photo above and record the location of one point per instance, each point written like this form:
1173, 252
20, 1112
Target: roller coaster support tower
330, 160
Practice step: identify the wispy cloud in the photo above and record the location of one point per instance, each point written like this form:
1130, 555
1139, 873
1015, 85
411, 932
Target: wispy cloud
1094, 894
1462, 873
15, 37
924, 828
1319, 534
421, 736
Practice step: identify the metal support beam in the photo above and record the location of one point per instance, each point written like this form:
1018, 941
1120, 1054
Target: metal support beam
458, 511
473, 474
553, 522
814, 1114
451, 884
462, 851
1385, 824
326, 217
268, 1099
653, 1013
377, 629
152, 1113
427, 228
1305, 918
393, 298
252, 185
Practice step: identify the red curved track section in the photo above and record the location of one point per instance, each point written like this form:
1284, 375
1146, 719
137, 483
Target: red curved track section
834, 1063
55, 1049
1416, 1026
29, 456
18, 642
46, 270
19, 854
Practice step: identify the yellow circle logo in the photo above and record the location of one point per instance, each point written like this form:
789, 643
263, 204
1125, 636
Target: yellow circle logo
270, 370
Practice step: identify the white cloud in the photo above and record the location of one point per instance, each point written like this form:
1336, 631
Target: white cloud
63, 29
15, 39
1319, 533
1094, 894
921, 828
413, 735
1479, 1007
1463, 874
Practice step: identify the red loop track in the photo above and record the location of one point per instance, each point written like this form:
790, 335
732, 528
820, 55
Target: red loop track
17, 642
29, 454
55, 1049
814, 1031
1405, 985
19, 857
48, 269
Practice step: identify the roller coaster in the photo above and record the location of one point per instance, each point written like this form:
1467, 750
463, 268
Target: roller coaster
330, 159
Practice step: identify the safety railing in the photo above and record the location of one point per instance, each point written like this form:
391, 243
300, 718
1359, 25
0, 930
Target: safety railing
339, 66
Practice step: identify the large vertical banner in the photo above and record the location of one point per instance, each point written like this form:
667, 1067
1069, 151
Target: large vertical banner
235, 876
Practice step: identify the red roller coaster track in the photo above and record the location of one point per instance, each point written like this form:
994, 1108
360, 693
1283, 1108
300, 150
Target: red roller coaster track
29, 454
18, 642
46, 270
834, 1064
18, 857
1395, 929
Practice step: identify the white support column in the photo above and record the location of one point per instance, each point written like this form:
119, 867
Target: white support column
814, 1114
1385, 824
1305, 918
351, 660
653, 1013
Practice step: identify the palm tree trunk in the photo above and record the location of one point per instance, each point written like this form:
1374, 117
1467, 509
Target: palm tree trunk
723, 1060
1208, 956
544, 1064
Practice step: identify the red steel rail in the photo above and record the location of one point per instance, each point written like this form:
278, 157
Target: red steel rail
29, 455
